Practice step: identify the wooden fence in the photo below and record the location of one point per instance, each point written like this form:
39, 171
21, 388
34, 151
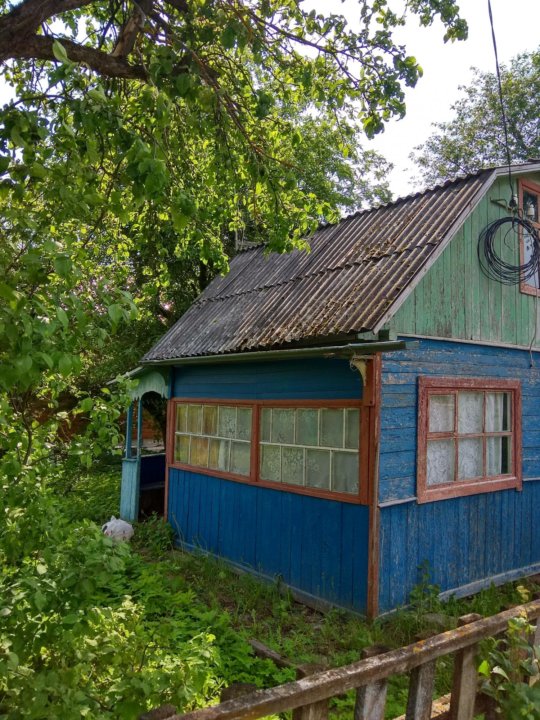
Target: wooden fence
309, 696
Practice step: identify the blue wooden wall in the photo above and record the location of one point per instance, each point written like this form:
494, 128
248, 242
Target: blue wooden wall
319, 547
467, 541
309, 379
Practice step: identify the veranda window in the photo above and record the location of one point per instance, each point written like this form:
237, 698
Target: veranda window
311, 447
308, 447
468, 436
217, 437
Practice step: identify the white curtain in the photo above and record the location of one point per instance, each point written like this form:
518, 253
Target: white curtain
495, 423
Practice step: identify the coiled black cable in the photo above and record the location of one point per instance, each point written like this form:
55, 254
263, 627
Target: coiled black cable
493, 265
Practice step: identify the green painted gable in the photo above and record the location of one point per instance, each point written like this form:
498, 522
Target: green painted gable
455, 299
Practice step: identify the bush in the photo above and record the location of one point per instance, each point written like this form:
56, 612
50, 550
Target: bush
89, 629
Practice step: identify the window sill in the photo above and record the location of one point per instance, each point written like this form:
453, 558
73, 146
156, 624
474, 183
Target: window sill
268, 485
455, 490
527, 289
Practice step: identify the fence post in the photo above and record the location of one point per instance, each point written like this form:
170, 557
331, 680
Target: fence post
464, 687
317, 710
420, 697
371, 699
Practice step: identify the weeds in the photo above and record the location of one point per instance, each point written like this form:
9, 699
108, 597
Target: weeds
237, 607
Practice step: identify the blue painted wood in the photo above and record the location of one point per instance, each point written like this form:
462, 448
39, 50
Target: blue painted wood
316, 546
466, 541
129, 430
300, 379
129, 492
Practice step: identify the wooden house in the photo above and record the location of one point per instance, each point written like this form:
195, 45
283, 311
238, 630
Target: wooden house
338, 419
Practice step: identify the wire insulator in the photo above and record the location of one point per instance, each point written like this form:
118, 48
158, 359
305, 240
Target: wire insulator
493, 265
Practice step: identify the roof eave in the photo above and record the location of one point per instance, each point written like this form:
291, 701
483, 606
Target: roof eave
332, 351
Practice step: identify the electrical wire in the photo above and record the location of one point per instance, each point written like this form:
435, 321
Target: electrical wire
494, 265
501, 100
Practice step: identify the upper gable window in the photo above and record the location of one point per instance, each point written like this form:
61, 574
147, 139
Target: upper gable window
530, 205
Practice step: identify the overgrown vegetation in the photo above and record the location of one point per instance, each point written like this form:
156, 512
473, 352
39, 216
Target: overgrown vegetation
92, 628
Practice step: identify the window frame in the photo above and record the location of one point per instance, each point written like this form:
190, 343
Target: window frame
364, 449
428, 386
533, 189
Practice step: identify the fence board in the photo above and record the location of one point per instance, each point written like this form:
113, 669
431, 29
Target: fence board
328, 684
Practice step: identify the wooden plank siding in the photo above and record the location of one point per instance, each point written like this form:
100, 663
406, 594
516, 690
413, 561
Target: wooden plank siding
456, 300
466, 541
318, 547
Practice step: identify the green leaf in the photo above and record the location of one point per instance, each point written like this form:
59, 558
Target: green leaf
62, 316
59, 52
38, 171
64, 365
115, 313
228, 37
62, 265
41, 569
7, 292
39, 600
86, 404
179, 220
484, 668
4, 163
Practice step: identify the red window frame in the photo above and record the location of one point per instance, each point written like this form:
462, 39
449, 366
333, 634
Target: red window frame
361, 497
429, 386
533, 189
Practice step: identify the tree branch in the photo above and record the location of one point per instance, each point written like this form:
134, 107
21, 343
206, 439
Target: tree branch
41, 48
28, 16
131, 30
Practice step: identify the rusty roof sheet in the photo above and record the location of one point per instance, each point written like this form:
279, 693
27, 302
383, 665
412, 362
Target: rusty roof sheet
350, 280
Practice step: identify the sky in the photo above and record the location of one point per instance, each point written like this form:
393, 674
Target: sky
446, 66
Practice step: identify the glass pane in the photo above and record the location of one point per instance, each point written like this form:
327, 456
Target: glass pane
210, 420
199, 451
307, 427
352, 429
318, 468
283, 426
499, 455
497, 412
293, 465
331, 428
530, 206
470, 412
440, 462
243, 423
470, 460
181, 448
181, 418
345, 472
240, 457
194, 419
226, 421
441, 413
528, 247
266, 418
271, 462
219, 454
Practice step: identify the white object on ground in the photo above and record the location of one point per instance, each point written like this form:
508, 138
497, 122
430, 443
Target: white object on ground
118, 529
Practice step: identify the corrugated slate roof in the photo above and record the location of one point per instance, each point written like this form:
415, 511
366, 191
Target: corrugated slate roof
353, 276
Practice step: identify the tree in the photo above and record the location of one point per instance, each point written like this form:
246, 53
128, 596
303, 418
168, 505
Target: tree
474, 138
143, 137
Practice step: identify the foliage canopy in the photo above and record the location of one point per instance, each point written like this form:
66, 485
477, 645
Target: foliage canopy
474, 138
143, 140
